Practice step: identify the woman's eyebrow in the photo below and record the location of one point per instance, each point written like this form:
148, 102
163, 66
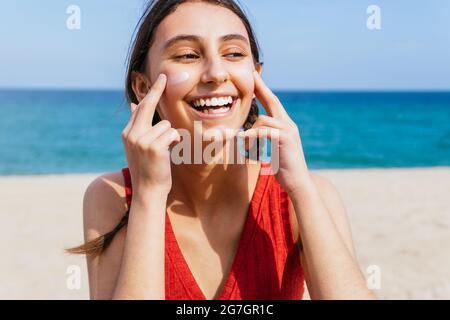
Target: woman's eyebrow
234, 36
194, 38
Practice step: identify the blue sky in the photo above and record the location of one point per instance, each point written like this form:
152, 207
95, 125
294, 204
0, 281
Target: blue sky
306, 44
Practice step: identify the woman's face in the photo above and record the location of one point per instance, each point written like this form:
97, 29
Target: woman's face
212, 58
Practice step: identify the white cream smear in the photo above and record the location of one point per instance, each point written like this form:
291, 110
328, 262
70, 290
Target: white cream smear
178, 78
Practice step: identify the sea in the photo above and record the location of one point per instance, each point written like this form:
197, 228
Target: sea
79, 131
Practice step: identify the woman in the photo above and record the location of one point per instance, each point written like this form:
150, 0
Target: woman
211, 229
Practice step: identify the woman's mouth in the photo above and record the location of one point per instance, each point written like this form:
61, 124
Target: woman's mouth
214, 108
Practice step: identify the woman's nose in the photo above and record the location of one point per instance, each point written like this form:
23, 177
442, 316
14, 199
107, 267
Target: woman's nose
214, 71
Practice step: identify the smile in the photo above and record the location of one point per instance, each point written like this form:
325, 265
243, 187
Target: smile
214, 109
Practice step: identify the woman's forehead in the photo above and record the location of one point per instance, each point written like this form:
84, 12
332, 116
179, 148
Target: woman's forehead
206, 21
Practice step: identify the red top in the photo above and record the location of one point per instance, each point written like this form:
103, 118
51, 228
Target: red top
267, 262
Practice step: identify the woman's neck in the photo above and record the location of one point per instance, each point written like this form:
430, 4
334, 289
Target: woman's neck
202, 187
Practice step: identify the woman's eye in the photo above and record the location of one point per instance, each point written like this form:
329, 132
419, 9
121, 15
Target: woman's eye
190, 56
187, 56
237, 54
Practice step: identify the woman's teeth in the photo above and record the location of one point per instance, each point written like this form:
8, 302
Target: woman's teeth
214, 105
213, 102
215, 110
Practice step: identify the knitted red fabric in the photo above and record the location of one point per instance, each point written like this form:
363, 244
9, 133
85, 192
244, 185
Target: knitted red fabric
266, 264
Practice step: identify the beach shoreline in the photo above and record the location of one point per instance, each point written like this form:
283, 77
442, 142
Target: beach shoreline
400, 219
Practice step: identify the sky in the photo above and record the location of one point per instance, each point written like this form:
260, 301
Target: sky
306, 44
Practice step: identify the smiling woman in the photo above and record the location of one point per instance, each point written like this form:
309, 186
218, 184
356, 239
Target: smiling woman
211, 230
182, 53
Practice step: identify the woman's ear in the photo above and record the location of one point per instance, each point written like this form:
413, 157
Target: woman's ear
140, 85
258, 68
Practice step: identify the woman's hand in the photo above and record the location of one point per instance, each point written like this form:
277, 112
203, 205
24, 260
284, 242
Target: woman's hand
146, 146
291, 169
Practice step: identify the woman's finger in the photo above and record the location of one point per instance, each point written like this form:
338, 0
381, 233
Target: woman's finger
260, 132
162, 142
127, 128
268, 99
148, 105
264, 120
169, 138
154, 132
253, 135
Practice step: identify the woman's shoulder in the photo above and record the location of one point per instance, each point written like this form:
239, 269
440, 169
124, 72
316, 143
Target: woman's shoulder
104, 203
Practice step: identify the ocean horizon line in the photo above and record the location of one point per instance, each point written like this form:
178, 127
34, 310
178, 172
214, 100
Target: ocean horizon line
287, 90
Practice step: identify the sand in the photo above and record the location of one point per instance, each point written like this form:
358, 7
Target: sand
400, 220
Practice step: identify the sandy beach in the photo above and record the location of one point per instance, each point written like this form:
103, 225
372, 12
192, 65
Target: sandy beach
400, 220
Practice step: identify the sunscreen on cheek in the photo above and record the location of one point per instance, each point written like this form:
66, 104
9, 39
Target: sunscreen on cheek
245, 76
177, 78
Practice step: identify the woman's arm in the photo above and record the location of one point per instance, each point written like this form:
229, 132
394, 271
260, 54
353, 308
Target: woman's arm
147, 149
103, 208
328, 258
132, 267
141, 273
331, 270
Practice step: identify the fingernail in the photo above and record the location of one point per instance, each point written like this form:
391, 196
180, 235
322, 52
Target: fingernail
162, 76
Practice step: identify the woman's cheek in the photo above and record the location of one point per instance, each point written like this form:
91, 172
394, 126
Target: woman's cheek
175, 79
244, 80
178, 85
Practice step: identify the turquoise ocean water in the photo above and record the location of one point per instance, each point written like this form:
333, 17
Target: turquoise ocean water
79, 131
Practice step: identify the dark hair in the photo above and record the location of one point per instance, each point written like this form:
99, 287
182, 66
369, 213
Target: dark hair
154, 14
